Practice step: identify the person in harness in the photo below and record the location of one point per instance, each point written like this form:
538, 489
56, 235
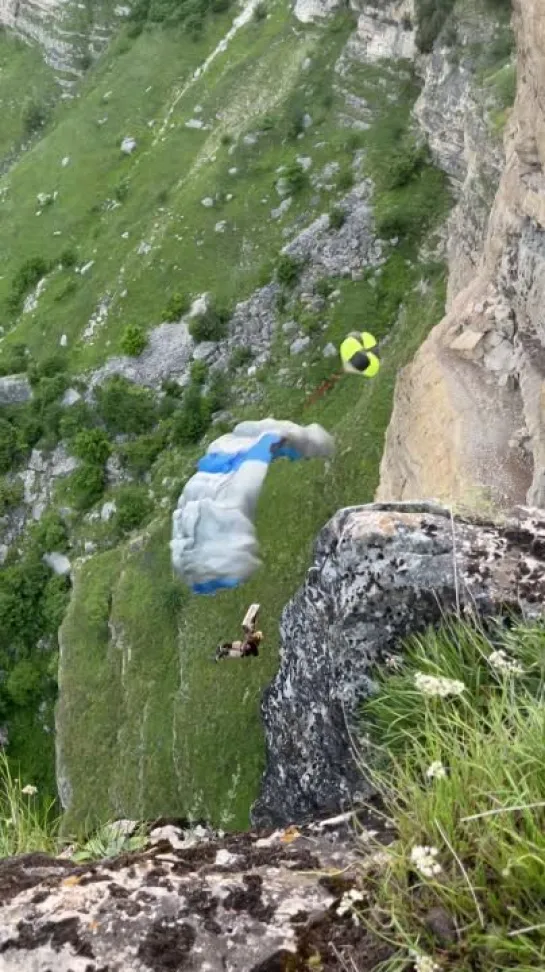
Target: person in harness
249, 647
359, 354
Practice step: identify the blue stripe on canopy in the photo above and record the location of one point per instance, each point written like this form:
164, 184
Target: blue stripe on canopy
212, 586
229, 462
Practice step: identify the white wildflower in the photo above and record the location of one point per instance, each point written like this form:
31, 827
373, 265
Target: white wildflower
29, 790
436, 771
424, 859
348, 902
438, 685
423, 963
394, 662
500, 661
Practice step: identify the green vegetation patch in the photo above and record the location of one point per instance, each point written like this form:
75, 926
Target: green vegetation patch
459, 730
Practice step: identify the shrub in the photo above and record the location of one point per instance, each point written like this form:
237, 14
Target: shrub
133, 340
28, 276
199, 372
74, 419
121, 190
49, 367
50, 533
11, 494
240, 357
8, 445
86, 486
139, 456
403, 166
337, 217
431, 17
133, 506
55, 598
24, 682
345, 180
217, 396
260, 11
323, 287
34, 117
211, 325
296, 178
288, 270
226, 139
125, 408
92, 446
15, 359
192, 419
69, 258
295, 122
177, 305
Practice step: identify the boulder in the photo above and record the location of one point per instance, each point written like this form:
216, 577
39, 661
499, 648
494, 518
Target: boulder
15, 390
380, 573
189, 900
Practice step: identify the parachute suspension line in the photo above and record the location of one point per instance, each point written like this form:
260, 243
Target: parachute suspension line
326, 386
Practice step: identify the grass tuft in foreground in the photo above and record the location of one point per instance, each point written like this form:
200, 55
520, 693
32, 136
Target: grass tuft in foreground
460, 726
26, 823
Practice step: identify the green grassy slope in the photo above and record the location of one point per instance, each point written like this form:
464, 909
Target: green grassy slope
146, 722
27, 90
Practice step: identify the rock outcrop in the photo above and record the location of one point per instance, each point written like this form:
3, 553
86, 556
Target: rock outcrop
69, 33
253, 903
380, 573
469, 416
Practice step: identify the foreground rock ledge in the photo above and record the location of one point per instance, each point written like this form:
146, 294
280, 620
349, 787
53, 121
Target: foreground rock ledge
247, 903
380, 573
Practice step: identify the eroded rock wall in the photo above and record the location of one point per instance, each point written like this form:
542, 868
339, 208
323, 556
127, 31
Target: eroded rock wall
468, 424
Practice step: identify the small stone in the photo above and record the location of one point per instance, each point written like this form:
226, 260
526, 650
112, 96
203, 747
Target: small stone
89, 547
207, 202
63, 341
70, 397
288, 327
233, 170
466, 341
143, 248
194, 123
58, 562
65, 161
299, 345
250, 139
128, 145
282, 209
108, 510
330, 351
282, 187
228, 197
224, 858
307, 120
305, 162
501, 358
198, 109
220, 226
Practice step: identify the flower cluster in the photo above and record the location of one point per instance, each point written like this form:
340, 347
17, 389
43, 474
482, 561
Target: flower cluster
425, 861
423, 963
502, 663
436, 771
438, 685
348, 902
29, 790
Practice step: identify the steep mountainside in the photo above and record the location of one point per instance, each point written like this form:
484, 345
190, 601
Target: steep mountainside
480, 373
228, 193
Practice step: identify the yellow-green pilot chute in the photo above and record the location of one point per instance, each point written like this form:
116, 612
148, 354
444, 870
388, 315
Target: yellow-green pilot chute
357, 355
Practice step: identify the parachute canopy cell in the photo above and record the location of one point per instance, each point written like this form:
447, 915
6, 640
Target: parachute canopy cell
214, 543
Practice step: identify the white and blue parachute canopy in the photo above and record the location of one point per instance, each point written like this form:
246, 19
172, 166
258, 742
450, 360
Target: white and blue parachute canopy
214, 543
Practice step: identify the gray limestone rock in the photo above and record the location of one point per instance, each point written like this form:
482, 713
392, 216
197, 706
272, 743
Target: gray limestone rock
380, 573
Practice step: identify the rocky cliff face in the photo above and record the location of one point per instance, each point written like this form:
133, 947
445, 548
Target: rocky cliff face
469, 419
68, 33
380, 572
192, 901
